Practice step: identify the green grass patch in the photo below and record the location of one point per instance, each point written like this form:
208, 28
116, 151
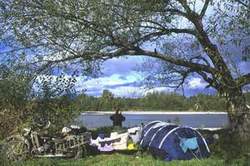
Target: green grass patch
117, 159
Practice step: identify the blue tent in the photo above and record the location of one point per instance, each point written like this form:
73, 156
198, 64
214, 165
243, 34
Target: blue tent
173, 142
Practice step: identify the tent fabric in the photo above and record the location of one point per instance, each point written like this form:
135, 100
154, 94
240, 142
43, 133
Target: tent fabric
148, 126
188, 143
150, 133
173, 142
159, 135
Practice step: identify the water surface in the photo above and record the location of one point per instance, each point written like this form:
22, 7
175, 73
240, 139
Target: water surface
192, 119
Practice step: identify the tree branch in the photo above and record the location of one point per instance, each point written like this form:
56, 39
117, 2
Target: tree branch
177, 12
176, 61
211, 81
184, 75
85, 55
164, 32
243, 3
176, 30
133, 52
185, 5
210, 48
199, 57
243, 80
204, 8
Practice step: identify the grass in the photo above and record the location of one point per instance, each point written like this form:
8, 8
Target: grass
117, 159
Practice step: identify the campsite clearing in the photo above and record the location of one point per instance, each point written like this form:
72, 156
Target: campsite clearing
122, 159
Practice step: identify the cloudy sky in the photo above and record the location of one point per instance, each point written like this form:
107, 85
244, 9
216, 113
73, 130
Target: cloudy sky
122, 78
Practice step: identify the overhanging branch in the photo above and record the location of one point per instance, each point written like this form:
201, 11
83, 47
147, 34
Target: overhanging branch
204, 8
184, 4
88, 55
243, 3
211, 81
243, 80
184, 75
176, 61
176, 12
164, 32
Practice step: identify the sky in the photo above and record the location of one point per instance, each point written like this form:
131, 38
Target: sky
122, 77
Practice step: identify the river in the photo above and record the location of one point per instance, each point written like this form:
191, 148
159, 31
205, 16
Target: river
211, 120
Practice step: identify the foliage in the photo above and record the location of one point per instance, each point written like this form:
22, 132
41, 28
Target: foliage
207, 102
3, 159
224, 149
156, 101
55, 101
21, 105
15, 105
107, 100
164, 101
14, 88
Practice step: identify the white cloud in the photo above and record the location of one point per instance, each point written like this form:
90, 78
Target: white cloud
114, 79
160, 89
128, 91
131, 91
196, 83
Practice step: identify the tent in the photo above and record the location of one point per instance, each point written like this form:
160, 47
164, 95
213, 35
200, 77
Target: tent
172, 142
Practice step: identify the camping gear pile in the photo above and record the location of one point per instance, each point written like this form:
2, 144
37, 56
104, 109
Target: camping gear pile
123, 141
35, 142
164, 140
173, 142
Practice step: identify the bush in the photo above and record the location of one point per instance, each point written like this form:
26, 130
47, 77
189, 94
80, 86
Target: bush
3, 159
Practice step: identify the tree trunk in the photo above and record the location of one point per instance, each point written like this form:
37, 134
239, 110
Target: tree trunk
239, 114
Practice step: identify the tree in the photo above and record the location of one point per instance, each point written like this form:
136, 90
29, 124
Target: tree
15, 91
55, 101
107, 100
90, 31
